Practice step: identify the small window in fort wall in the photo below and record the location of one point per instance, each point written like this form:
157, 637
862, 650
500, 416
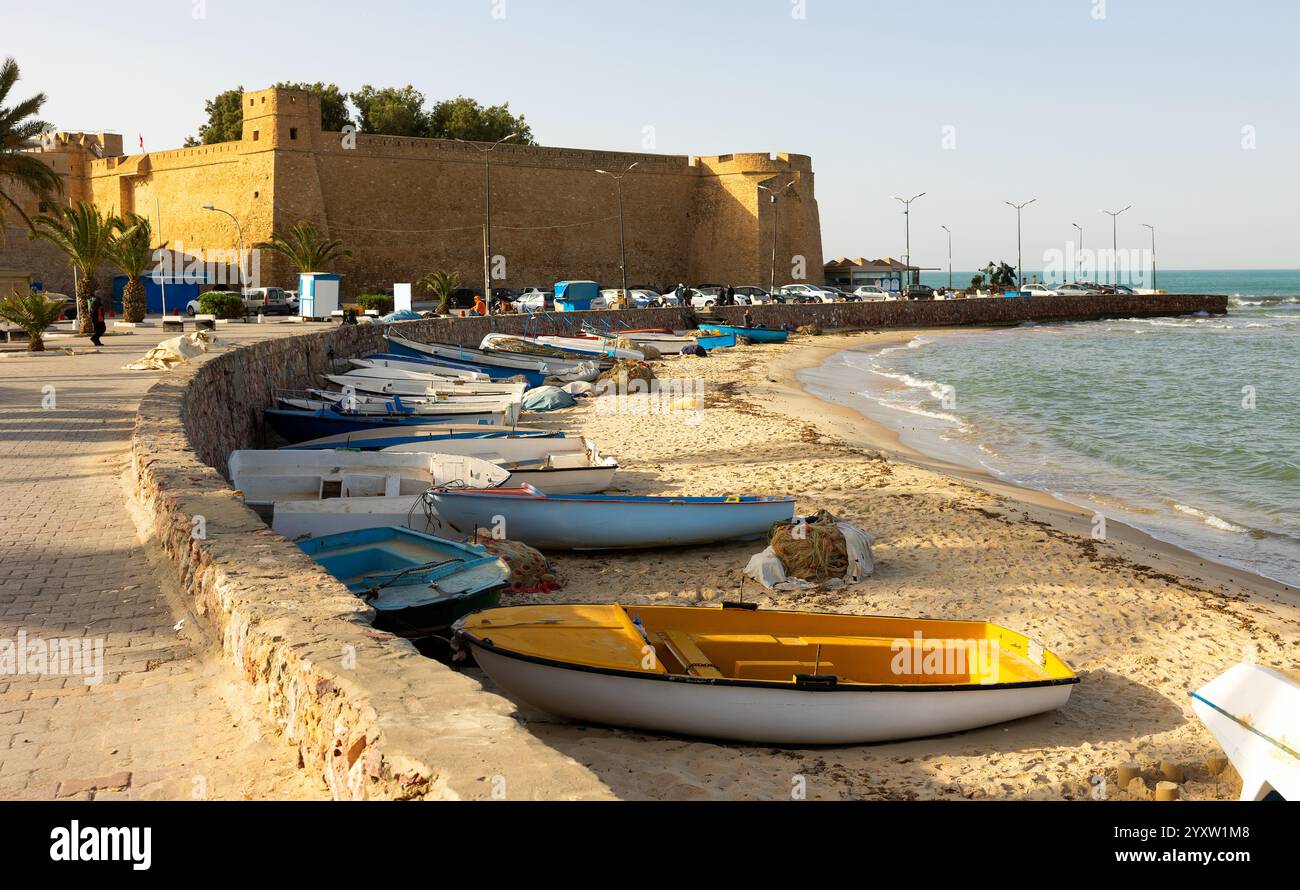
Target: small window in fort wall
250, 103
293, 132
257, 134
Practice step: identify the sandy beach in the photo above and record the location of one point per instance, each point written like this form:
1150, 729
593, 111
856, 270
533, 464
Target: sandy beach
1143, 623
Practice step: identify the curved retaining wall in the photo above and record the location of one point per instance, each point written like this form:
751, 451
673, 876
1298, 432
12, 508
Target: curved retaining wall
371, 717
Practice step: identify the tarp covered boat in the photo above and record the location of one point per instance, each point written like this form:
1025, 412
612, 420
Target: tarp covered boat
769, 677
1254, 713
601, 522
418, 584
561, 347
555, 466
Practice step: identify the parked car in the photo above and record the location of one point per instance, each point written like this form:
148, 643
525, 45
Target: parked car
1036, 290
267, 301
291, 297
1077, 290
748, 295
810, 293
840, 296
873, 292
535, 301
918, 292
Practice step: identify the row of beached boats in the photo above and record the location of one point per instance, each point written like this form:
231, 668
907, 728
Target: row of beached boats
394, 469
394, 466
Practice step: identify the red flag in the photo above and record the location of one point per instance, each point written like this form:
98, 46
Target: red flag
141, 142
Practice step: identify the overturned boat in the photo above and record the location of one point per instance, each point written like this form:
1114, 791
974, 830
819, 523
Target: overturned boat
608, 522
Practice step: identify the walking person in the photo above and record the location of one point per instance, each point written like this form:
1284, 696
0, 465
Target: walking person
97, 319
731, 295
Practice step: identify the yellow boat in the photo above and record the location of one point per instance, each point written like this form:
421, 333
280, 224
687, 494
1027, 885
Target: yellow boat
773, 677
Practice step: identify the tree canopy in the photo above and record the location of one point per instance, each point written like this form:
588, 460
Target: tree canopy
383, 111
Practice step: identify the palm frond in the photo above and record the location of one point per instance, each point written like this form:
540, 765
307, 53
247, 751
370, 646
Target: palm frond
306, 247
81, 232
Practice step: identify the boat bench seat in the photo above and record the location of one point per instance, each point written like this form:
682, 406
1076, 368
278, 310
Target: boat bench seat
781, 670
683, 648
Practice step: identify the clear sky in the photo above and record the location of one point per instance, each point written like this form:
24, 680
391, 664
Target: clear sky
1083, 104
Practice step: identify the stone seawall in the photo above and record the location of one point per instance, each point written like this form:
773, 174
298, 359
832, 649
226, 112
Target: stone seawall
370, 716
981, 311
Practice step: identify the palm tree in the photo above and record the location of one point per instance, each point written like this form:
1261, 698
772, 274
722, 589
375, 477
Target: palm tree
305, 247
34, 313
19, 167
133, 253
84, 234
441, 284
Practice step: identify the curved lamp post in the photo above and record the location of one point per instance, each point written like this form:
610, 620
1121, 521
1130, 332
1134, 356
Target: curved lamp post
1114, 242
622, 244
487, 150
239, 232
907, 230
1020, 262
775, 193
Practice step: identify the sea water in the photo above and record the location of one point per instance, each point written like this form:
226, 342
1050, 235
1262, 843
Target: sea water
1188, 428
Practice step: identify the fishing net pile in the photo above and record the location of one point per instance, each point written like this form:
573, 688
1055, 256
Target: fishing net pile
625, 371
810, 330
513, 344
812, 550
530, 571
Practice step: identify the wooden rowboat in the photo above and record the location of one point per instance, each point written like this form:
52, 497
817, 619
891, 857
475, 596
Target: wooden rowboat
570, 465
417, 584
608, 522
757, 335
1254, 713
777, 678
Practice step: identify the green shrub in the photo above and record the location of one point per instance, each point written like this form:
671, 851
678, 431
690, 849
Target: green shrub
222, 304
381, 303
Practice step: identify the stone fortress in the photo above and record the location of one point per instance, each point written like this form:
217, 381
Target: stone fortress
406, 206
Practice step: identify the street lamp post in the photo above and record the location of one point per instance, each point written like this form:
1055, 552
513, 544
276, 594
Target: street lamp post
487, 214
1153, 253
622, 244
1020, 267
907, 231
1078, 262
239, 232
775, 217
949, 231
1114, 242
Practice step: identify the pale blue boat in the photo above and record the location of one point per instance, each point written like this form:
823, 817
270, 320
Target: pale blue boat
418, 584
505, 363
757, 335
609, 522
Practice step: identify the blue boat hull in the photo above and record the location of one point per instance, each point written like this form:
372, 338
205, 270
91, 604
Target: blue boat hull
757, 335
609, 522
300, 426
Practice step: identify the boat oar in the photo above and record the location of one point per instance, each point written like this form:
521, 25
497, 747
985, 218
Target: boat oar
373, 592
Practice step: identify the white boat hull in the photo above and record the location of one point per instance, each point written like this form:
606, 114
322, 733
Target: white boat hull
380, 385
266, 477
383, 367
1254, 713
313, 519
757, 714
